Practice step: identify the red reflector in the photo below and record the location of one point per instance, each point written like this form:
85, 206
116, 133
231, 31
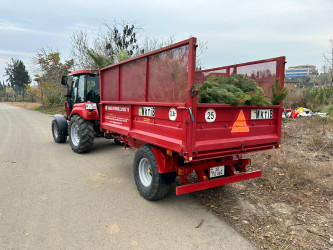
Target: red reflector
246, 161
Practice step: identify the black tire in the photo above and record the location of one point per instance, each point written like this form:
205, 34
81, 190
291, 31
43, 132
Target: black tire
158, 187
116, 141
57, 134
81, 134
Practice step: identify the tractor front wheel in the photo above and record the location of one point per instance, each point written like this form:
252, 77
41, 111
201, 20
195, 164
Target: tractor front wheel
81, 134
150, 183
58, 135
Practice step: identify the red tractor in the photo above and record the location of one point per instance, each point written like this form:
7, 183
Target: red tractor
82, 111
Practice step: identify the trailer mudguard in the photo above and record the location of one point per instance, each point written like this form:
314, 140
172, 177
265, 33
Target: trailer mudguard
62, 123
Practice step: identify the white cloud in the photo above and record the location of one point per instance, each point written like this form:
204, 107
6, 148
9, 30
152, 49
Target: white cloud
15, 53
14, 27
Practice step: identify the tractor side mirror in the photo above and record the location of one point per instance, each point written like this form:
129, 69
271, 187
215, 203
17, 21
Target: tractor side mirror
64, 80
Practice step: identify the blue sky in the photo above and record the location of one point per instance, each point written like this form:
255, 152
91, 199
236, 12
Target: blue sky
236, 31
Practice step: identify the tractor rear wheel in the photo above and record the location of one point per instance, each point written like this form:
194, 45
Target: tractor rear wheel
150, 183
57, 133
81, 134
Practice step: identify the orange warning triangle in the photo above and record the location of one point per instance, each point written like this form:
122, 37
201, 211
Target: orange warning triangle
240, 125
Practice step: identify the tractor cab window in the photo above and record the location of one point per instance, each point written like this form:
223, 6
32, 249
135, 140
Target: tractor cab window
93, 88
80, 89
75, 83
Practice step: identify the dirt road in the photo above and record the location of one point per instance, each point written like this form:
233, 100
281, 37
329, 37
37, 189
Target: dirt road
52, 198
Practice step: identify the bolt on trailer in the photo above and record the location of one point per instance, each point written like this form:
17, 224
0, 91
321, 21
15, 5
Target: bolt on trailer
150, 102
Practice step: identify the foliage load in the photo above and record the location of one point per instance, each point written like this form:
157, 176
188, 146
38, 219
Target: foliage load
233, 90
237, 89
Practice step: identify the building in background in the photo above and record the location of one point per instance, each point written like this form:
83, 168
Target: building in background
290, 83
300, 71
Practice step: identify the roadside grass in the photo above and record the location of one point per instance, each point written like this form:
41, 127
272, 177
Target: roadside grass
51, 110
26, 105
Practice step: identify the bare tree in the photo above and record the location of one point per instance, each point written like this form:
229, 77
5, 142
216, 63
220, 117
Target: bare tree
114, 41
202, 48
150, 44
80, 44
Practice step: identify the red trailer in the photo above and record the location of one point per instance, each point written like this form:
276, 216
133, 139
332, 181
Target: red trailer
151, 102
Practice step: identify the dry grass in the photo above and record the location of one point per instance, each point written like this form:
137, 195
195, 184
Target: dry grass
38, 107
295, 99
26, 105
291, 205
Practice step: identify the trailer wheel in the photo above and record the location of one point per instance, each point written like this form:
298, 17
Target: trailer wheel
57, 134
81, 134
150, 183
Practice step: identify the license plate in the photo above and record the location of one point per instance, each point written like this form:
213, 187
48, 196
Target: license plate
90, 105
147, 111
261, 114
216, 171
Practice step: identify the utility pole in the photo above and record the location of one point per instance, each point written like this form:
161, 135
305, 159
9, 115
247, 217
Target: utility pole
39, 81
41, 92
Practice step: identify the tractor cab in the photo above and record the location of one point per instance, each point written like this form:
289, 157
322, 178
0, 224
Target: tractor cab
83, 86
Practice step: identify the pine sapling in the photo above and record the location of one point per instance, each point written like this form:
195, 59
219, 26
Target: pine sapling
278, 94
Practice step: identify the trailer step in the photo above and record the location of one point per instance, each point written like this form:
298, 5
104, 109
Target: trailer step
217, 182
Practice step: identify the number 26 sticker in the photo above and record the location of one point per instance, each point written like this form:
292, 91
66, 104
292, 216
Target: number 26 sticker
210, 115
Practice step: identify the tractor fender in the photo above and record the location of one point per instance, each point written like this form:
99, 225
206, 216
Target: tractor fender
80, 109
62, 123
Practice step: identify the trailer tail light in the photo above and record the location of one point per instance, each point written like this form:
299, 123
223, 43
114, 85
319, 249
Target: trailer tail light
246, 162
169, 152
243, 163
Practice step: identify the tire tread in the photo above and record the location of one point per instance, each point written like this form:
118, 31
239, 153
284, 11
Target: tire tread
159, 187
87, 134
60, 138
